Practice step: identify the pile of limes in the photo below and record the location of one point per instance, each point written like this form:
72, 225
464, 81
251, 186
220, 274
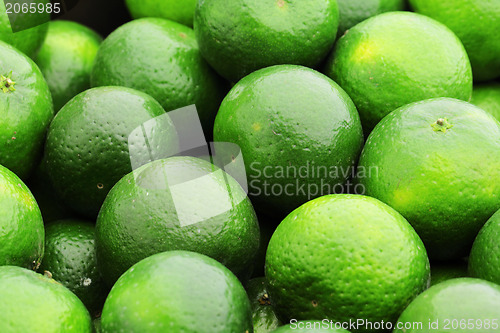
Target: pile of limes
244, 166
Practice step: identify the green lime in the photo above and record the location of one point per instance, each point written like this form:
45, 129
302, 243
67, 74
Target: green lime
32, 302
487, 97
177, 292
448, 270
436, 162
25, 111
263, 314
89, 143
181, 11
21, 224
352, 12
457, 305
179, 203
66, 58
397, 58
484, 259
70, 259
310, 326
241, 36
29, 40
345, 257
161, 58
298, 131
476, 23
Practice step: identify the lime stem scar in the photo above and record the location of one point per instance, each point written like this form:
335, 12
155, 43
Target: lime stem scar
6, 83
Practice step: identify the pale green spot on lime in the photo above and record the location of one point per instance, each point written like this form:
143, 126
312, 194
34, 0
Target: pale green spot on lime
6, 83
441, 125
256, 127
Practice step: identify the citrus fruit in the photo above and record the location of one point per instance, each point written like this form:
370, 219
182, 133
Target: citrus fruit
177, 291
263, 315
353, 12
448, 270
476, 23
88, 143
66, 58
343, 257
457, 305
25, 111
298, 131
241, 36
179, 11
487, 97
310, 326
179, 203
375, 62
29, 40
32, 302
161, 58
436, 162
70, 259
21, 224
484, 259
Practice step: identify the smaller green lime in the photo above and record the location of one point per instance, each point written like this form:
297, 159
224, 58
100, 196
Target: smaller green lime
32, 302
310, 326
484, 259
70, 259
177, 292
263, 315
457, 305
181, 11
21, 224
66, 58
487, 97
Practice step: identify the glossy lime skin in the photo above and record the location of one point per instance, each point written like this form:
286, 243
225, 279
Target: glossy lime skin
32, 302
66, 58
70, 258
484, 258
289, 116
29, 40
309, 326
25, 113
352, 12
177, 291
87, 147
397, 58
161, 58
263, 315
208, 213
446, 183
455, 300
343, 257
241, 36
21, 224
487, 97
181, 11
476, 23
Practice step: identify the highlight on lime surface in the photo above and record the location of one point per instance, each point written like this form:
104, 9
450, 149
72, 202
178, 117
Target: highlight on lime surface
344, 257
177, 291
375, 63
437, 163
178, 203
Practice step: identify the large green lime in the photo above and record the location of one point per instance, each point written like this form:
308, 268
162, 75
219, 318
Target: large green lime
437, 163
238, 37
177, 292
298, 131
345, 257
397, 58
32, 302
179, 203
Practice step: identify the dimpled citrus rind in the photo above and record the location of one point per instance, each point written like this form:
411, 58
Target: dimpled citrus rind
444, 179
343, 257
178, 291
